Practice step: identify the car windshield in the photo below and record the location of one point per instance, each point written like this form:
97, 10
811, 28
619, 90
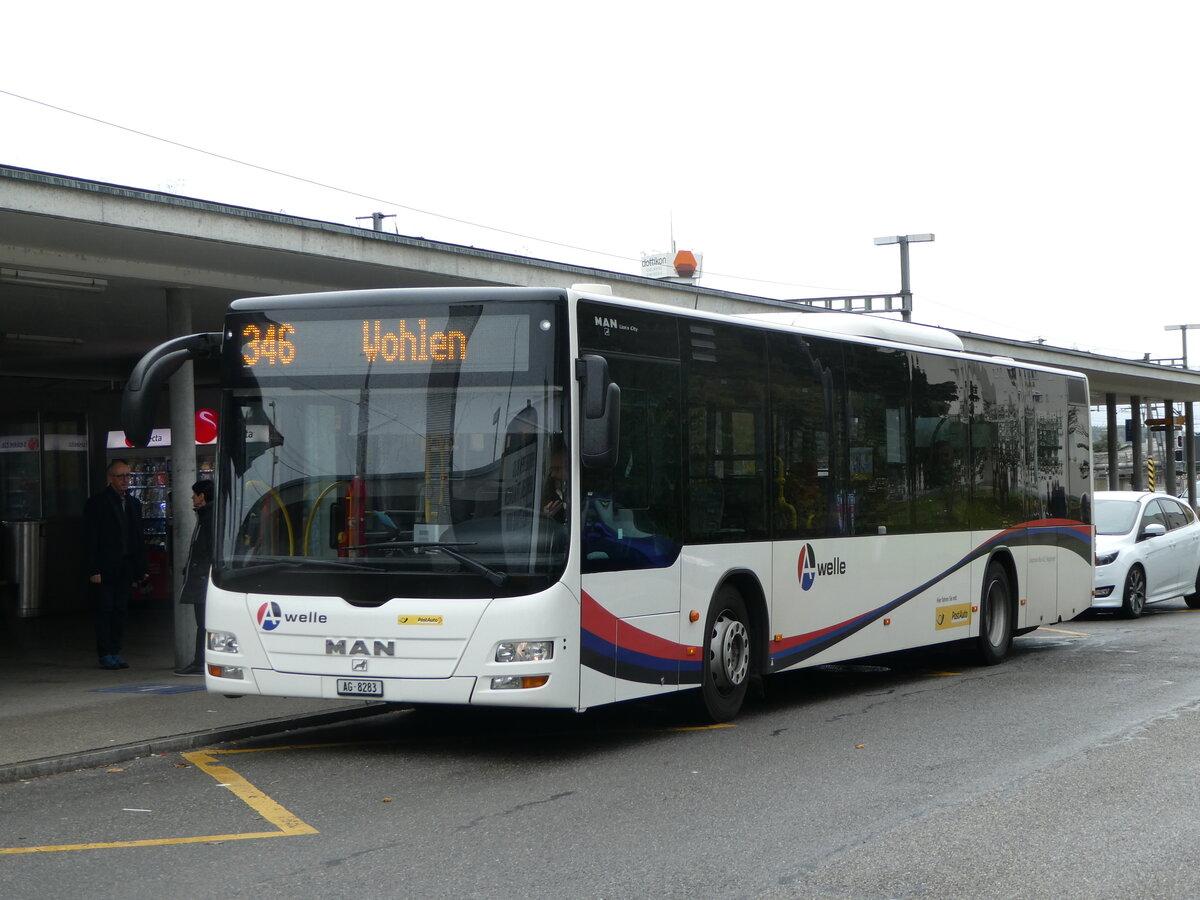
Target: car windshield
1116, 516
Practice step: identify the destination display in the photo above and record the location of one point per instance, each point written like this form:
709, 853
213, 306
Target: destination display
375, 344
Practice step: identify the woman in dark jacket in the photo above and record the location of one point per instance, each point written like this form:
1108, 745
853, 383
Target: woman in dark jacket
195, 576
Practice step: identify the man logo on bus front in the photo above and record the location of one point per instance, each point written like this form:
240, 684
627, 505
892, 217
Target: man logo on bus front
269, 616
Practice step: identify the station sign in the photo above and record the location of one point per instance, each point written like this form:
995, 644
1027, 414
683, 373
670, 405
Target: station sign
31, 443
206, 434
1164, 424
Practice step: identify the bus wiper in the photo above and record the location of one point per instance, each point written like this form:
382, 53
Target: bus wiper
496, 578
262, 566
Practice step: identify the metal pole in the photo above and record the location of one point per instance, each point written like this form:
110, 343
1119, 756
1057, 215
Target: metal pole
1135, 439
1146, 414
1189, 451
905, 286
1169, 448
1114, 464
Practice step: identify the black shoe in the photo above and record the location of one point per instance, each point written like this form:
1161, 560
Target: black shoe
120, 661
109, 662
193, 669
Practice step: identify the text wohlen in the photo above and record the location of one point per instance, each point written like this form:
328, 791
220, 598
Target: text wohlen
404, 345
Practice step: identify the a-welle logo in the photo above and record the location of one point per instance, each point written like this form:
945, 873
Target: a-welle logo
808, 569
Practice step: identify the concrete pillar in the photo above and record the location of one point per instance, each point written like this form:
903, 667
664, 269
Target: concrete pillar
1169, 445
1137, 478
1189, 452
182, 392
1114, 473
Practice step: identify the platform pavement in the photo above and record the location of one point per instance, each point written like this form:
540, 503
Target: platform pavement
59, 711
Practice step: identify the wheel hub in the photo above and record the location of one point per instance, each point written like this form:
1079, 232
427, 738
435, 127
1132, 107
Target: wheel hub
730, 650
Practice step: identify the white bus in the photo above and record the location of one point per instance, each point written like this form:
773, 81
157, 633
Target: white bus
554, 498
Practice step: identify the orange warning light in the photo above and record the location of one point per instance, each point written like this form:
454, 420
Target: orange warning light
685, 263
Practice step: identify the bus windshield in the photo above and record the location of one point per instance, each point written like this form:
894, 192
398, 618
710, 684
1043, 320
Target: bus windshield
394, 475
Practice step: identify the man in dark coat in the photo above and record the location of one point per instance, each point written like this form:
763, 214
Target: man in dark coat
195, 575
115, 559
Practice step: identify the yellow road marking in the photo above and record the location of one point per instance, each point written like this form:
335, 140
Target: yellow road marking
702, 727
287, 824
249, 794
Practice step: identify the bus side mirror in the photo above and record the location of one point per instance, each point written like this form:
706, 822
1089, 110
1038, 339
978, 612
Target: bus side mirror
153, 369
600, 427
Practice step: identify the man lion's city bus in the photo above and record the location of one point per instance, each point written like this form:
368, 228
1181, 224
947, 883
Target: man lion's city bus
554, 498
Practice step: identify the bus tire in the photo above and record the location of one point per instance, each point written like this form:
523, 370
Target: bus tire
995, 616
725, 674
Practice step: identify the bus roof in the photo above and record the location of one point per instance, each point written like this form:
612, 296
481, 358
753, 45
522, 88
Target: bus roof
845, 325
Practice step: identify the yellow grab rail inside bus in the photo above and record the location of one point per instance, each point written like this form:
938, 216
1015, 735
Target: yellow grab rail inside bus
287, 520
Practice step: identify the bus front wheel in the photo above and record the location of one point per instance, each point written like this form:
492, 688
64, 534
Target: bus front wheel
727, 653
995, 616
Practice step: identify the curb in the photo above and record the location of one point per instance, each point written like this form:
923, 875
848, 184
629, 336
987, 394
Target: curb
104, 756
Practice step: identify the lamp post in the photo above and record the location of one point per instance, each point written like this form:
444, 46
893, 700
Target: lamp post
1184, 330
905, 291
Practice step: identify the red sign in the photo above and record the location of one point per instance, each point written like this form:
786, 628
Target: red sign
206, 426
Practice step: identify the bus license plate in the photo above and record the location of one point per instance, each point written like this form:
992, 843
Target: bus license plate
359, 687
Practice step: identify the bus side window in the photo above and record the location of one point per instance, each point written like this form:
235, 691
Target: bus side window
879, 440
631, 513
727, 459
999, 473
942, 482
805, 405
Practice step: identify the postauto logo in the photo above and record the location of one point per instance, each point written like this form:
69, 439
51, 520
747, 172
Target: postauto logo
807, 568
269, 616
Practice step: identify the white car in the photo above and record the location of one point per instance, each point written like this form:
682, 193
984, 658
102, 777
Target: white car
1147, 550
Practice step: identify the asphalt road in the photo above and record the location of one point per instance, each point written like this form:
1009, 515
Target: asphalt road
1068, 771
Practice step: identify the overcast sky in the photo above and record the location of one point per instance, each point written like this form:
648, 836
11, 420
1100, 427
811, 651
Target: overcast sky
1049, 146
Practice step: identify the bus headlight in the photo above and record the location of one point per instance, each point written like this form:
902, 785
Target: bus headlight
524, 651
226, 671
223, 642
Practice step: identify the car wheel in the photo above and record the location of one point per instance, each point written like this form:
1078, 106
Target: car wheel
1133, 601
1193, 599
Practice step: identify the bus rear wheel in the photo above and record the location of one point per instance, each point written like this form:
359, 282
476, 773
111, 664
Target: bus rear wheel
727, 654
995, 617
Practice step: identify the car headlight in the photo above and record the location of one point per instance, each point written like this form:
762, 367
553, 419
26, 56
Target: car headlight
1106, 559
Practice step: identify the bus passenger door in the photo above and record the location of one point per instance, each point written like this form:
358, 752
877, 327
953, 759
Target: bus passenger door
630, 543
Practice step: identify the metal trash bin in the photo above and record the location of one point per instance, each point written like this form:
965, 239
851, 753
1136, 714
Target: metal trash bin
25, 563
